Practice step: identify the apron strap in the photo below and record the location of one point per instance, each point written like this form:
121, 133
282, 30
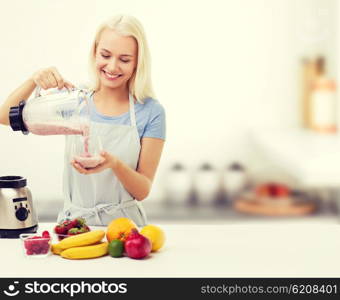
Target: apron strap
132, 111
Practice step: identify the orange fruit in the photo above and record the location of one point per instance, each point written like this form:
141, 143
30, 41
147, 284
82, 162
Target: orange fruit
155, 235
119, 229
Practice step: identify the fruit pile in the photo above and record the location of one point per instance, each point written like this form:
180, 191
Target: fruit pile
36, 245
124, 239
71, 227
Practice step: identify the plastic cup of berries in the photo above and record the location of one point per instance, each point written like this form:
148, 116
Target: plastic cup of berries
35, 245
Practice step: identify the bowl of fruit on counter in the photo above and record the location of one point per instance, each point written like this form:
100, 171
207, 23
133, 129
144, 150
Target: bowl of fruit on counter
274, 199
68, 228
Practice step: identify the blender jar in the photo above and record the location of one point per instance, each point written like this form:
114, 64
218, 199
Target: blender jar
54, 114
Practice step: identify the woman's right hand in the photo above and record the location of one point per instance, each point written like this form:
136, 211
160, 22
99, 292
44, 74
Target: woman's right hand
48, 78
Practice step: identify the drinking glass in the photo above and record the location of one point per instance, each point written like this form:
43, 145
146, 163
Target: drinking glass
86, 151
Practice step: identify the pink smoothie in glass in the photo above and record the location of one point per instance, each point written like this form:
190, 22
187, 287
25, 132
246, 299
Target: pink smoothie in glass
88, 161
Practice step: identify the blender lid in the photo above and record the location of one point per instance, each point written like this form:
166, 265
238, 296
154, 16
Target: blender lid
13, 182
15, 118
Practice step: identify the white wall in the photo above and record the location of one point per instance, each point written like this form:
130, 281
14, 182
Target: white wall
220, 68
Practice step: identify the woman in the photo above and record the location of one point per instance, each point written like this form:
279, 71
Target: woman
129, 122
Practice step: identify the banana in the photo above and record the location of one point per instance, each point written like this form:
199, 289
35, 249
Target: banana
83, 239
56, 249
91, 251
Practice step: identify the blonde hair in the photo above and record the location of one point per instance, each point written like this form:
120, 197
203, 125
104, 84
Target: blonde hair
140, 85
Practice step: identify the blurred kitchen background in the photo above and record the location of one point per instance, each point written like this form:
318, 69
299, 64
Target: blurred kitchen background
251, 92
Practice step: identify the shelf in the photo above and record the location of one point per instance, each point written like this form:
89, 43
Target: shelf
158, 212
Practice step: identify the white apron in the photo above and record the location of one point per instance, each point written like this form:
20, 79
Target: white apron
100, 197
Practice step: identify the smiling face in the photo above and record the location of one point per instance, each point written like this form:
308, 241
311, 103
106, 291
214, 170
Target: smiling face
115, 59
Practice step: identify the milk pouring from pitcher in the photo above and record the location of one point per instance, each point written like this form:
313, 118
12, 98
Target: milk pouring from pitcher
62, 113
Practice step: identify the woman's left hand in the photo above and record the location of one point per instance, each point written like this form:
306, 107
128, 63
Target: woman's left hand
109, 162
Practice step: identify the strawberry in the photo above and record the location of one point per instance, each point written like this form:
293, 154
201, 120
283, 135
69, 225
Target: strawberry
74, 223
59, 229
45, 234
67, 225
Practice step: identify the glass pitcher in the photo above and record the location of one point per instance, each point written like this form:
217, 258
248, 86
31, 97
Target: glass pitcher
66, 113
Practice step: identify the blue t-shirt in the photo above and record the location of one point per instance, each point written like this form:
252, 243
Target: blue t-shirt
150, 118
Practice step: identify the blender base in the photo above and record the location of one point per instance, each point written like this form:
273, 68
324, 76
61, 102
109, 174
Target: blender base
14, 233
